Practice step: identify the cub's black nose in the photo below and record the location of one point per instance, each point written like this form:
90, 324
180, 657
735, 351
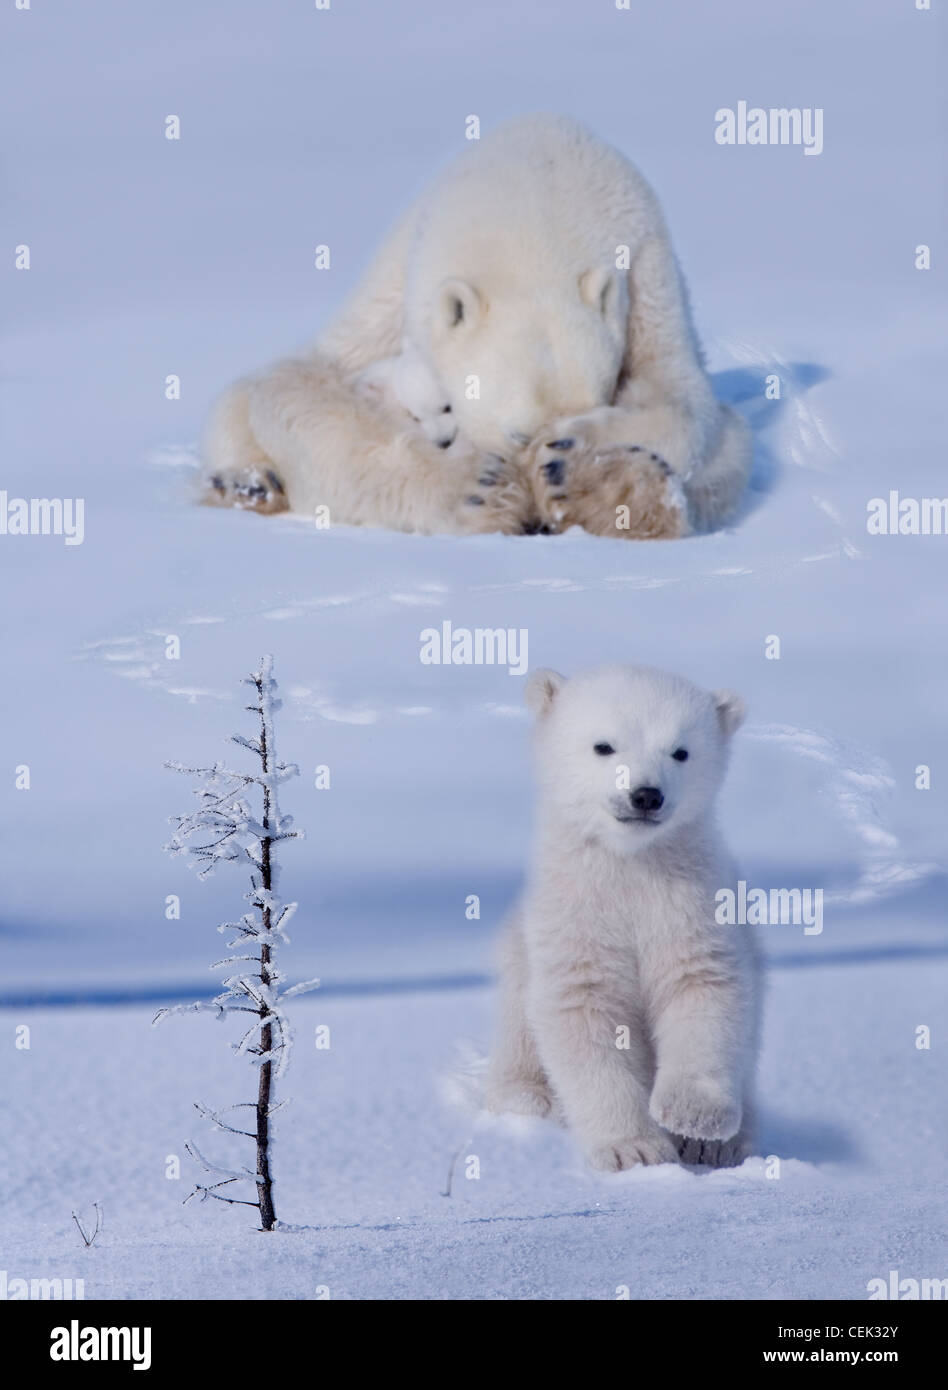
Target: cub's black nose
646, 798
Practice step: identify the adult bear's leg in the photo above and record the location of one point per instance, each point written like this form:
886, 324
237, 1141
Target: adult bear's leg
665, 458
237, 472
706, 446
715, 487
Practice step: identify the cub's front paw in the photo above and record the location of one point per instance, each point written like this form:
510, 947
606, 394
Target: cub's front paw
254, 489
625, 490
696, 1107
631, 1151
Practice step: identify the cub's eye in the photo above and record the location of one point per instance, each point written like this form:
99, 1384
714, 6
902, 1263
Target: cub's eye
680, 755
603, 749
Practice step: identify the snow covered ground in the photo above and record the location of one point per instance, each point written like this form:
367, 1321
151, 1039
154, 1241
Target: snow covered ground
151, 257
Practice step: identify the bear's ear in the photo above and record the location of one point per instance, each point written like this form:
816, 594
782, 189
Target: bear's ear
730, 709
540, 690
599, 288
457, 305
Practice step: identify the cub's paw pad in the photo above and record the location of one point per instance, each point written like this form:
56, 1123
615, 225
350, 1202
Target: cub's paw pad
712, 1153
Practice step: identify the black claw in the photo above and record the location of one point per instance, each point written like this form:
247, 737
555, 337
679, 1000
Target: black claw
217, 483
475, 501
634, 448
275, 481
445, 443
489, 479
555, 470
446, 410
561, 444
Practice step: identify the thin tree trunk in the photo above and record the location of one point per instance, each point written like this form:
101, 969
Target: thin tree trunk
264, 1185
267, 1214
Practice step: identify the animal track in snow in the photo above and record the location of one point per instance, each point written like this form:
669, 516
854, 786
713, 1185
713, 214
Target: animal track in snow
861, 785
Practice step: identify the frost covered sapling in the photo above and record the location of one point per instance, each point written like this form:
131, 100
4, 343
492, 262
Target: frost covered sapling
226, 827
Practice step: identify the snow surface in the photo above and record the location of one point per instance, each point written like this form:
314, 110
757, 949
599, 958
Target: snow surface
152, 257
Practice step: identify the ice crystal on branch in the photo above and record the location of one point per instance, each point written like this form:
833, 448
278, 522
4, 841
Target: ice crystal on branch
238, 820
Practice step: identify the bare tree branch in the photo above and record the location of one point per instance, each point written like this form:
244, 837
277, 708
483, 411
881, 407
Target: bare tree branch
225, 828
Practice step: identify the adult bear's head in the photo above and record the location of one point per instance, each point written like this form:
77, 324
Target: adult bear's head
514, 357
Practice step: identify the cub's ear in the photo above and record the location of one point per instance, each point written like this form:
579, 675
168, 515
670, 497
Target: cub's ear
457, 305
731, 711
540, 690
599, 288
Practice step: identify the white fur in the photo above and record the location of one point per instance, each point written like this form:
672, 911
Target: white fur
408, 380
504, 273
616, 929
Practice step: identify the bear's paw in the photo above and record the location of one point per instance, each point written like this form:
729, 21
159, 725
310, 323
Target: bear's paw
697, 1107
625, 490
251, 489
631, 1151
494, 494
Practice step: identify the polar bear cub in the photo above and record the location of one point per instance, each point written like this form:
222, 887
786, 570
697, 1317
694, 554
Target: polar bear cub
624, 1009
407, 380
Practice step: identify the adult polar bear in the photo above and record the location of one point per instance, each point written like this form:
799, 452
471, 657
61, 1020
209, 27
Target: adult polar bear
548, 387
